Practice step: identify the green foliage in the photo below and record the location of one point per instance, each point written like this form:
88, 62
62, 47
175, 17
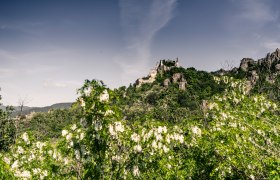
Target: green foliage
49, 125
5, 172
7, 129
232, 135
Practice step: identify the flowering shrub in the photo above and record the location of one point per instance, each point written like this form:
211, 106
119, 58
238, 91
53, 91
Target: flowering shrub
238, 139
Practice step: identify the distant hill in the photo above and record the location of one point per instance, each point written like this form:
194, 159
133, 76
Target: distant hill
27, 110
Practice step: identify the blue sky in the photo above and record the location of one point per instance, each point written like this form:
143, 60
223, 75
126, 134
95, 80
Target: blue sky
48, 48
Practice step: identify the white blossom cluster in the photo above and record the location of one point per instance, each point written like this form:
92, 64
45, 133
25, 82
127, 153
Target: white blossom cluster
156, 139
104, 96
26, 154
115, 128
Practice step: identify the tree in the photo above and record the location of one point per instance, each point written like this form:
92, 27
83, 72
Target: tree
7, 128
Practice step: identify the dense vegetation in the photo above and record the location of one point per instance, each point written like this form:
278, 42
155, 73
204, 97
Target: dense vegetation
216, 129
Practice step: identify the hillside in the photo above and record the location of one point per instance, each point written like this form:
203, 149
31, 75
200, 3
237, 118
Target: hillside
175, 123
27, 110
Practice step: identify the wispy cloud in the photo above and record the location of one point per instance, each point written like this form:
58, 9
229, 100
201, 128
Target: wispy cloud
257, 11
253, 26
140, 21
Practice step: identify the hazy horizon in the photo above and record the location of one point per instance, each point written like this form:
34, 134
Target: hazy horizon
48, 48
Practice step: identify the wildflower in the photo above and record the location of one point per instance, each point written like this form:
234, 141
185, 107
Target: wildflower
160, 129
196, 130
74, 127
158, 137
252, 176
116, 158
20, 150
69, 136
165, 149
168, 137
82, 135
71, 144
40, 145
77, 155
233, 125
25, 174
137, 148
111, 130
154, 144
87, 91
25, 137
15, 164
7, 160
119, 127
44, 174
109, 112
64, 132
136, 171
97, 126
104, 97
83, 104
135, 137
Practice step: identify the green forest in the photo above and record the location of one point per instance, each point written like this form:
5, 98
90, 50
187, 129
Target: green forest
180, 123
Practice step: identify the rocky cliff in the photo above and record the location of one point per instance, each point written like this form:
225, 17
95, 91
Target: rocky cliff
162, 67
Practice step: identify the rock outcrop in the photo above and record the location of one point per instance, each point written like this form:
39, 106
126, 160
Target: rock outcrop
161, 67
245, 63
271, 63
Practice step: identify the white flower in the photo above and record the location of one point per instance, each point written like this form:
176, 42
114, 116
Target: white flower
71, 144
252, 177
224, 115
104, 97
135, 137
25, 137
136, 171
97, 126
137, 148
74, 127
7, 160
119, 127
83, 104
20, 150
77, 154
44, 174
168, 166
54, 154
87, 91
69, 136
109, 112
111, 130
116, 158
165, 149
158, 137
82, 135
66, 161
36, 170
15, 164
154, 144
164, 129
40, 145
168, 137
25, 174
160, 129
233, 125
64, 132
196, 130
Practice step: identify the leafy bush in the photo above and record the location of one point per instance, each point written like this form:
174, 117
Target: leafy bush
237, 137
